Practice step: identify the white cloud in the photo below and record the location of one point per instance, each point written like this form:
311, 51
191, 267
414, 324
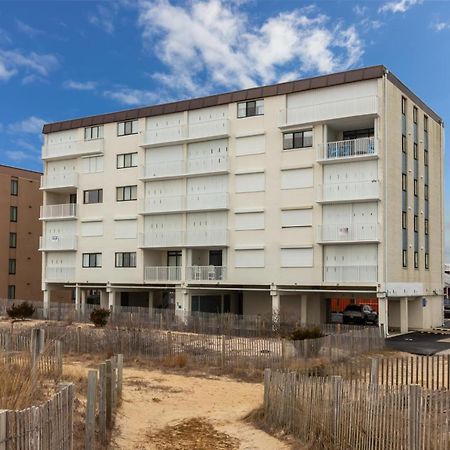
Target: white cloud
27, 29
400, 6
17, 155
211, 43
80, 85
360, 10
132, 97
14, 61
31, 125
104, 17
440, 26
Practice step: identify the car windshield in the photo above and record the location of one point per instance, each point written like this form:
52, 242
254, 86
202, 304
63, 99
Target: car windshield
353, 308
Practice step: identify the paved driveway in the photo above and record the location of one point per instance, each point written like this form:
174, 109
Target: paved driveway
421, 343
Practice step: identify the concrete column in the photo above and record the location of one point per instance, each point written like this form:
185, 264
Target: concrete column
151, 296
303, 309
111, 300
103, 299
182, 302
83, 302
383, 317
276, 299
46, 311
404, 315
77, 298
184, 262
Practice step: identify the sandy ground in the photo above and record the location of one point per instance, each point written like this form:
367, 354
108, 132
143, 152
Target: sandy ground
170, 411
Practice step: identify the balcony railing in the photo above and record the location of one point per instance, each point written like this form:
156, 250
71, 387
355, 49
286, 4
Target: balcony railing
205, 273
163, 169
208, 164
352, 148
72, 148
184, 132
60, 274
163, 204
184, 238
59, 180
214, 200
349, 232
350, 274
354, 190
162, 273
65, 211
57, 243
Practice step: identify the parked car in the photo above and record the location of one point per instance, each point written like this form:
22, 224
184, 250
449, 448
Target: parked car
447, 308
361, 314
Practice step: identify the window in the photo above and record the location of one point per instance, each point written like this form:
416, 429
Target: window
127, 127
416, 223
425, 191
13, 213
403, 105
415, 114
126, 259
405, 258
296, 218
357, 134
427, 261
251, 108
92, 260
415, 151
93, 164
12, 240
91, 133
404, 144
174, 258
404, 220
416, 187
404, 184
425, 123
425, 158
416, 260
93, 196
126, 193
11, 292
249, 220
73, 198
297, 139
127, 160
12, 267
426, 226
14, 186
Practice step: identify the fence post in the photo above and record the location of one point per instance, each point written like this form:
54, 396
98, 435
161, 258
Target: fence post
336, 409
108, 394
78, 338
90, 410
222, 353
102, 402
283, 351
119, 377
374, 371
113, 383
414, 413
169, 342
58, 355
267, 373
3, 427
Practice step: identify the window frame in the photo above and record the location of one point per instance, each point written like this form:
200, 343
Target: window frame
12, 266
404, 182
416, 223
416, 187
127, 260
126, 189
416, 260
404, 220
11, 288
123, 156
404, 258
251, 111
425, 226
12, 239
96, 258
99, 196
13, 213
89, 133
427, 260
295, 139
134, 124
14, 187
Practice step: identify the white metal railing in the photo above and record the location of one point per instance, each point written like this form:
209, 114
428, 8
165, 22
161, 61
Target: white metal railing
206, 273
162, 273
59, 180
75, 147
354, 190
57, 242
328, 110
65, 274
217, 163
349, 232
350, 273
207, 237
163, 204
163, 169
67, 210
163, 238
215, 200
185, 132
348, 149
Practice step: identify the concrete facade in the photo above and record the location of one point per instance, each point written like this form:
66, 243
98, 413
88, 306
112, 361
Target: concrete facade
280, 211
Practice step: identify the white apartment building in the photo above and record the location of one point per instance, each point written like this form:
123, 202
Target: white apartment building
282, 199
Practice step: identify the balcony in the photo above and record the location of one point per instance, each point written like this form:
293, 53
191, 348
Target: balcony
211, 129
206, 273
350, 274
363, 148
58, 212
57, 243
207, 165
162, 273
352, 191
182, 238
163, 170
61, 150
210, 201
65, 180
363, 232
60, 274
172, 203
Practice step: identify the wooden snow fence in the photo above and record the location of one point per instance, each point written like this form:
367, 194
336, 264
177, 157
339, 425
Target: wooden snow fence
332, 413
45, 427
104, 395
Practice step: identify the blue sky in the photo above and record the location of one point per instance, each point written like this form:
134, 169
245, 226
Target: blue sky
61, 59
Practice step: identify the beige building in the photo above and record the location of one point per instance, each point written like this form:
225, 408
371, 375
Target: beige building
290, 199
20, 260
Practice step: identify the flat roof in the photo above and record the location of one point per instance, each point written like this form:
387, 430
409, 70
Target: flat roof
20, 169
349, 76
